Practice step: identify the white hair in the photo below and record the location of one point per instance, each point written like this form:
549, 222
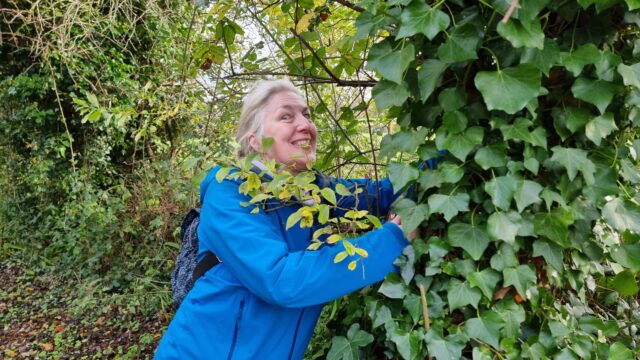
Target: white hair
252, 115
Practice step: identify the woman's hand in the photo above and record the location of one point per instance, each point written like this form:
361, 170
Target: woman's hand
395, 218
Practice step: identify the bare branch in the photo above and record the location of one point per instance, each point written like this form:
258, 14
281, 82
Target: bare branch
350, 5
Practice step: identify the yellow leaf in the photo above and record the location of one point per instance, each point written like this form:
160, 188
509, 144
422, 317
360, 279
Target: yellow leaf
333, 239
314, 245
362, 252
352, 265
339, 257
303, 23
351, 250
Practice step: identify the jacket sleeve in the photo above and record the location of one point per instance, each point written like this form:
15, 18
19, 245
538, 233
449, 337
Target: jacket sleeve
376, 197
253, 249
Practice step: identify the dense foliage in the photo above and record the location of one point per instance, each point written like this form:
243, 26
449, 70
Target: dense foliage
528, 243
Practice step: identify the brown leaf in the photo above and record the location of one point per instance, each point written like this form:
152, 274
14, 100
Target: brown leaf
47, 346
58, 329
500, 293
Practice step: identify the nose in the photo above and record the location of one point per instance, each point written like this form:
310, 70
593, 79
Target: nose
303, 123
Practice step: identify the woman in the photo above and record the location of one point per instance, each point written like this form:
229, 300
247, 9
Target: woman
264, 298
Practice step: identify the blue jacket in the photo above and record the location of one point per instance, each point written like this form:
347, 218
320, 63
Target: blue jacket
263, 300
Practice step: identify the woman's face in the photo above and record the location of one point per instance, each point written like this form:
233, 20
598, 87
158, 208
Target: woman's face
287, 121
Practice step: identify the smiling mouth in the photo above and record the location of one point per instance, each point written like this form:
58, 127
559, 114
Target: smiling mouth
303, 144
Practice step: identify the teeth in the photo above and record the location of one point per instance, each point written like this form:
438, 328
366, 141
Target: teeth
302, 143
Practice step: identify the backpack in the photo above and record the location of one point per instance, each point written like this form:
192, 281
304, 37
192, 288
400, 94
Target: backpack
188, 268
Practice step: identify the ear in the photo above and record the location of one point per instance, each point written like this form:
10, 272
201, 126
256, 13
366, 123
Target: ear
255, 143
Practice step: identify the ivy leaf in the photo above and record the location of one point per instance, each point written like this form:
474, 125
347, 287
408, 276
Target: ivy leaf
622, 215
473, 239
401, 174
348, 348
554, 225
393, 288
525, 11
405, 141
460, 145
389, 63
543, 59
502, 189
382, 316
485, 280
461, 44
412, 215
519, 130
574, 160
429, 179
625, 283
600, 127
450, 173
485, 328
491, 156
429, 76
576, 61
503, 258
387, 94
368, 24
522, 278
596, 92
629, 171
449, 205
530, 36
618, 351
408, 344
513, 315
422, 18
413, 304
630, 74
443, 348
551, 253
504, 226
627, 255
527, 193
454, 121
511, 89
460, 294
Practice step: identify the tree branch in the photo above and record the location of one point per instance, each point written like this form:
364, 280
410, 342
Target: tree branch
350, 5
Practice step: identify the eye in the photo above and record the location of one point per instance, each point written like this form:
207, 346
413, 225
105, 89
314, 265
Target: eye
306, 114
285, 117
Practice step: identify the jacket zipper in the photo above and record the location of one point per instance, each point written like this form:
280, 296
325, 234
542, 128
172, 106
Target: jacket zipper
235, 331
295, 335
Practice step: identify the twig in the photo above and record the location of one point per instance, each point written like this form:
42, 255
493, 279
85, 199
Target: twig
512, 8
425, 308
350, 5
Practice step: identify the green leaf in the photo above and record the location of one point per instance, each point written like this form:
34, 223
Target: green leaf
596, 92
574, 160
452, 99
625, 284
485, 328
429, 178
502, 189
504, 258
443, 348
460, 145
618, 351
519, 130
348, 348
577, 60
389, 63
622, 215
525, 11
504, 226
405, 141
422, 18
522, 278
630, 74
473, 239
570, 118
627, 255
323, 214
449, 205
543, 59
408, 344
461, 44
600, 127
413, 304
293, 219
510, 89
454, 121
530, 36
485, 280
368, 24
429, 76
513, 315
412, 215
401, 174
460, 294
527, 193
554, 225
329, 195
393, 288
382, 316
387, 94
551, 253
492, 156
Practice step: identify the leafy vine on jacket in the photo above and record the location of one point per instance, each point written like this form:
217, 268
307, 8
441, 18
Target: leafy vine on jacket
263, 300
